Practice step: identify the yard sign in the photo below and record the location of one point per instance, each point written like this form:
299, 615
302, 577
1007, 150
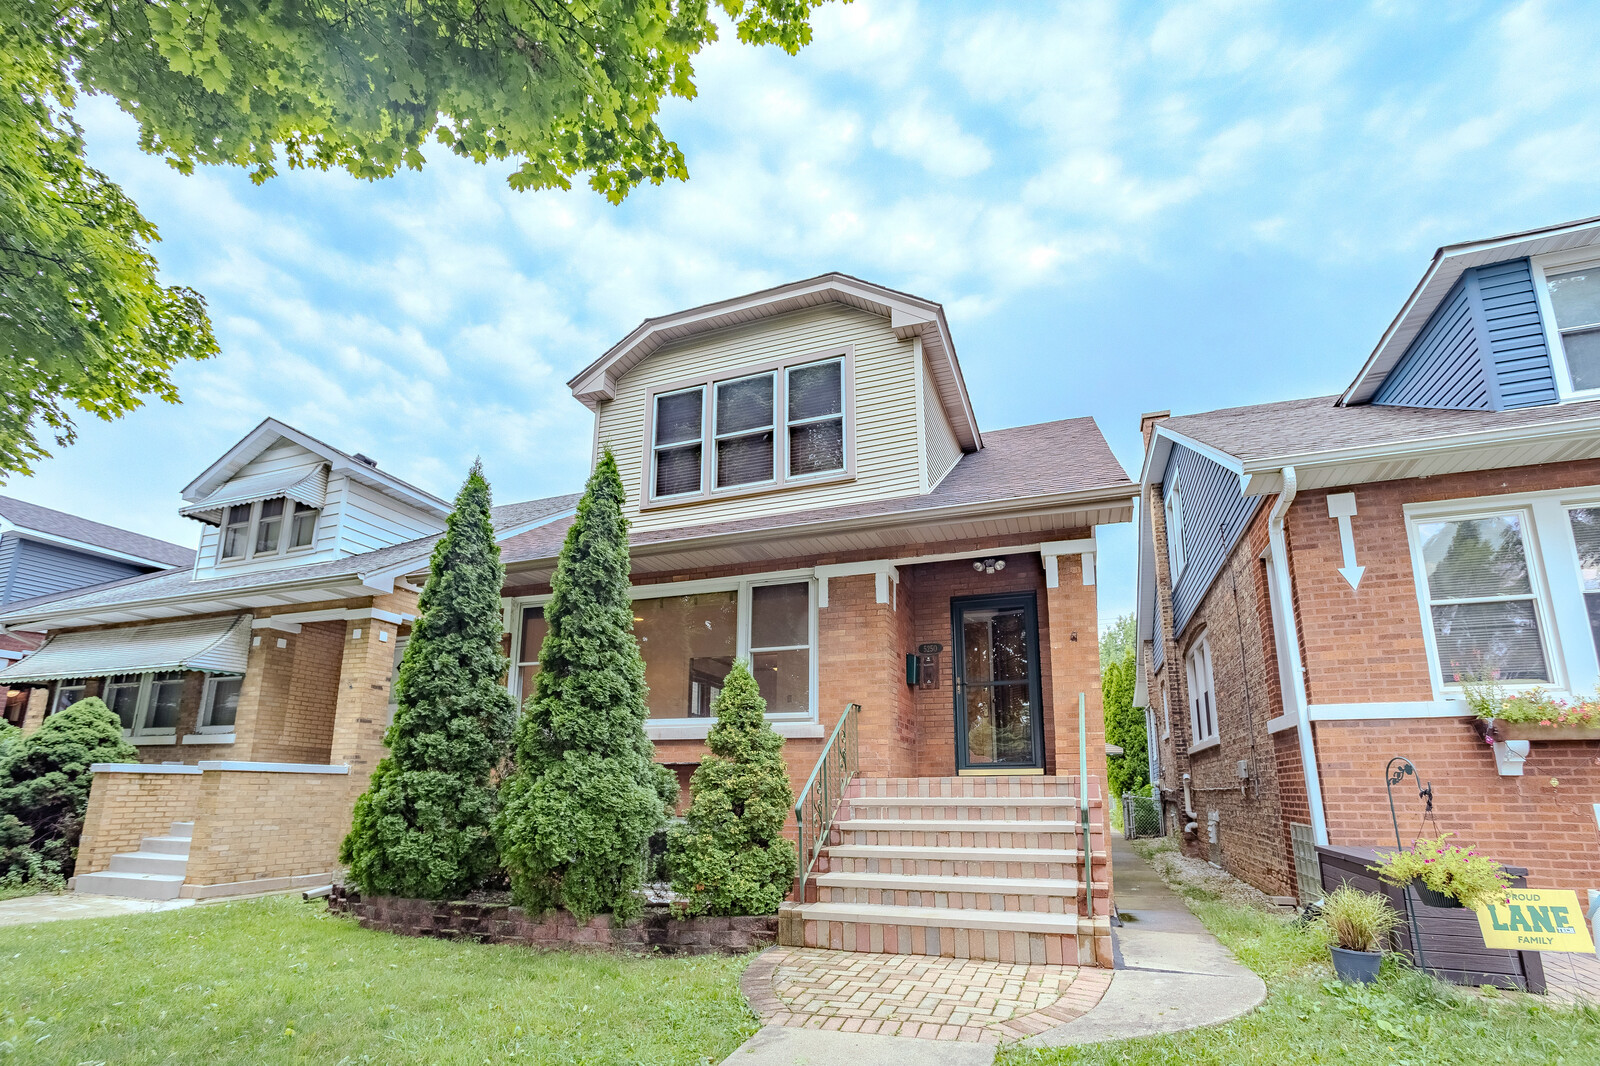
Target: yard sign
1536, 920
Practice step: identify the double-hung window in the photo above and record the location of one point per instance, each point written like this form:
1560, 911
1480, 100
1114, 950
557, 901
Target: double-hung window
220, 705
257, 530
1585, 523
68, 693
1481, 597
1173, 506
1202, 694
1570, 304
146, 704
781, 425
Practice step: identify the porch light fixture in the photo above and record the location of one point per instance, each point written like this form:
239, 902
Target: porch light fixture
988, 566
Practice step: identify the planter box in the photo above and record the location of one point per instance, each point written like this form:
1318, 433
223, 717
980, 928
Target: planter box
1452, 943
1502, 731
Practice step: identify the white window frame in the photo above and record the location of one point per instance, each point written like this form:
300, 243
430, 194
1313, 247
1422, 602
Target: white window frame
252, 531
1558, 604
1540, 266
1172, 508
80, 688
143, 704
717, 436
781, 478
1202, 685
1152, 745
203, 722
741, 586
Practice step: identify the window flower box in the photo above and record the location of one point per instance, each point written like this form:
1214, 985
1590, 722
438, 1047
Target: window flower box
1498, 730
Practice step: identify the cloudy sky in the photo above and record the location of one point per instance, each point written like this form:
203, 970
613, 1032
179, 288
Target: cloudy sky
1123, 208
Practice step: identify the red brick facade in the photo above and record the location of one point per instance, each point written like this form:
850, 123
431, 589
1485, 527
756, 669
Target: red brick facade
1359, 646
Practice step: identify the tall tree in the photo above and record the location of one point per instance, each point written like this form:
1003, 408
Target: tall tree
424, 826
564, 88
578, 811
730, 856
1130, 771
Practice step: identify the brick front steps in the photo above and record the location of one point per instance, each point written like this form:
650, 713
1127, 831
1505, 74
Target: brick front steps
982, 868
656, 931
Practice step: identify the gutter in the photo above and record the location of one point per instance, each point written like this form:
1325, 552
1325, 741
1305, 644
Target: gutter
1291, 642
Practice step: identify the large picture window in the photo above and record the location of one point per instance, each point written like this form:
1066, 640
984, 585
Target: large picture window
1481, 598
146, 704
777, 425
690, 637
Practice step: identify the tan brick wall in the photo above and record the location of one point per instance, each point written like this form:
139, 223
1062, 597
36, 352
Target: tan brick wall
124, 808
255, 825
295, 712
361, 708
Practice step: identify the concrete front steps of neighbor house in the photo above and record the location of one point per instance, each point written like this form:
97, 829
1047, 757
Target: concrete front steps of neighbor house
964, 867
155, 871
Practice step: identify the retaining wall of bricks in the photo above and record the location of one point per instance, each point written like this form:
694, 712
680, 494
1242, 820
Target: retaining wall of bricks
656, 931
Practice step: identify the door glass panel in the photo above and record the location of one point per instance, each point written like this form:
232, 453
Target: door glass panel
999, 702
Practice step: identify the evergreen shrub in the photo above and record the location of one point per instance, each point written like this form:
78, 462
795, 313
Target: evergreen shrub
44, 790
424, 827
579, 808
731, 857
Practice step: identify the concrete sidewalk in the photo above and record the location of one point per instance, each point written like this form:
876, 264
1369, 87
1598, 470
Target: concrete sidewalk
1172, 975
55, 906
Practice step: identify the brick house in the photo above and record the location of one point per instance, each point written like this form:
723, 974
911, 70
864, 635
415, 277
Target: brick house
808, 489
1315, 575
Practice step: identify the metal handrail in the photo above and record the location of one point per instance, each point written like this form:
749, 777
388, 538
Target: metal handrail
838, 763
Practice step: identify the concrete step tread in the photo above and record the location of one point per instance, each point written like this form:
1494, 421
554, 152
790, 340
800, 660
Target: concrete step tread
153, 862
166, 845
954, 825
940, 917
955, 854
129, 875
1002, 886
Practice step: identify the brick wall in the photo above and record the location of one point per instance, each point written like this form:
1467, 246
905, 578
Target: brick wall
260, 826
124, 808
296, 723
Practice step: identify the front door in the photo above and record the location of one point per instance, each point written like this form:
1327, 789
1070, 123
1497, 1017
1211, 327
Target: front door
999, 723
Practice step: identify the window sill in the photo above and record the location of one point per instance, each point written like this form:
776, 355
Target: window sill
765, 487
208, 738
700, 728
1205, 745
153, 739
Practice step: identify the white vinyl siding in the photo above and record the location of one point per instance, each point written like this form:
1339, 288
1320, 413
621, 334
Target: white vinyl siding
372, 520
887, 448
943, 450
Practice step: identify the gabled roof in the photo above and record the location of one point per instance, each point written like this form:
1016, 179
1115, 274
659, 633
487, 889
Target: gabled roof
1446, 268
75, 532
909, 315
175, 593
269, 432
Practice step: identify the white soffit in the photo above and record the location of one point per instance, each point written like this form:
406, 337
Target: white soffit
908, 315
303, 484
1448, 264
215, 645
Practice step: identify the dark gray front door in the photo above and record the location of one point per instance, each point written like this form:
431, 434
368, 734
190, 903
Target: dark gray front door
999, 723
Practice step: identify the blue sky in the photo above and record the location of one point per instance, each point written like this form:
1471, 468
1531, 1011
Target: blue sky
1123, 208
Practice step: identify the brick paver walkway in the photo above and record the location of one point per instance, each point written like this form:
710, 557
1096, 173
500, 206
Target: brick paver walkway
1572, 978
917, 995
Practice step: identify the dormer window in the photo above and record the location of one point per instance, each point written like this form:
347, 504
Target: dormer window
260, 527
1568, 287
777, 426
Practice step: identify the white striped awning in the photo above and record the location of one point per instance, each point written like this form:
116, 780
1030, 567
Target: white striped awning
303, 484
215, 645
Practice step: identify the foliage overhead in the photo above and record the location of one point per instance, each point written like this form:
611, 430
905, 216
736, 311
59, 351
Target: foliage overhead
44, 789
423, 828
730, 856
578, 811
84, 323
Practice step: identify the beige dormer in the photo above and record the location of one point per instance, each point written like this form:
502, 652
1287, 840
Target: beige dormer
281, 498
822, 392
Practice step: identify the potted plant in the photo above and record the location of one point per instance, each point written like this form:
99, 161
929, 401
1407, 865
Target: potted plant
1532, 714
1357, 925
1444, 874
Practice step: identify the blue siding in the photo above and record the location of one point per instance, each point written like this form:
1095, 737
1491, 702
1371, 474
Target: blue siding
1516, 348
1215, 512
8, 565
44, 568
1482, 350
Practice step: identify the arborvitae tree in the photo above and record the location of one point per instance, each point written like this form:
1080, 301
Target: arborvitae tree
731, 857
424, 827
578, 811
44, 789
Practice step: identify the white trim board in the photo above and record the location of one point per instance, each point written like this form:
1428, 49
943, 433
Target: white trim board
1366, 712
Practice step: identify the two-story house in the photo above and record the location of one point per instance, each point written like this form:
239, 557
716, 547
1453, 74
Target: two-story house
809, 490
1318, 575
44, 552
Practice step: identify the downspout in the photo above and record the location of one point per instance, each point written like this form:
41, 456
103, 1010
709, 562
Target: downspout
1291, 644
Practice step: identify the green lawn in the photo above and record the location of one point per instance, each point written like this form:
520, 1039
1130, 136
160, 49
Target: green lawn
1308, 1017
277, 981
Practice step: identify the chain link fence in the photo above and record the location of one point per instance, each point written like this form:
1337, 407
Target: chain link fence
1141, 816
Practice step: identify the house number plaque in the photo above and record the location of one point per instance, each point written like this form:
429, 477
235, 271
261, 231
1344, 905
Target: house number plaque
928, 665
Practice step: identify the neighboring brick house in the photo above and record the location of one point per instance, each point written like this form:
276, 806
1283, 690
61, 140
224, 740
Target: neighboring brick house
1316, 574
44, 552
808, 489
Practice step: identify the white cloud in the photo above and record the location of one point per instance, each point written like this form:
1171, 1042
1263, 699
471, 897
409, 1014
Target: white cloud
933, 140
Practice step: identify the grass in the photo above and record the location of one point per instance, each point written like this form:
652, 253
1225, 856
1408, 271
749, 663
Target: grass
1406, 1019
30, 888
276, 981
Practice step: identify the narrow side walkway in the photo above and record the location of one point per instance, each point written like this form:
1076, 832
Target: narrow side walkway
55, 906
1172, 974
